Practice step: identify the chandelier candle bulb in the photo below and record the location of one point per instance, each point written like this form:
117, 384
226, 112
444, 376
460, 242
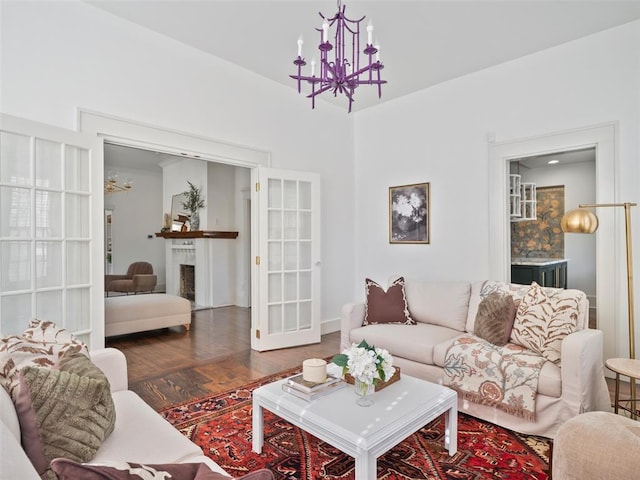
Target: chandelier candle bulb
325, 32
314, 370
300, 42
369, 34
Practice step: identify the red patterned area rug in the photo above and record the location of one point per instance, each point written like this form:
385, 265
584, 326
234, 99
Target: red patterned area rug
221, 425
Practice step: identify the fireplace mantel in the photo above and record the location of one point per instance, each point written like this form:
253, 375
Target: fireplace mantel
198, 234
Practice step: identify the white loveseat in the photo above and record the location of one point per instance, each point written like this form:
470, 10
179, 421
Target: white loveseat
445, 311
140, 435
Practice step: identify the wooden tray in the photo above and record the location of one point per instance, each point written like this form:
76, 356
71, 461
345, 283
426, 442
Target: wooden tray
394, 378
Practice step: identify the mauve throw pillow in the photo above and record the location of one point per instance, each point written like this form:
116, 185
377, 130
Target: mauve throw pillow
386, 307
495, 317
70, 470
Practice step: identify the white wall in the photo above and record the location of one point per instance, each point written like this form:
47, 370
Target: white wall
221, 199
137, 213
579, 187
440, 135
242, 180
57, 56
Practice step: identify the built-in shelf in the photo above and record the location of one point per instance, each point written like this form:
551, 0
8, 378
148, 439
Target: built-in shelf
522, 199
198, 234
514, 196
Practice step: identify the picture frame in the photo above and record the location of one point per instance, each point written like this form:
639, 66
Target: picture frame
409, 214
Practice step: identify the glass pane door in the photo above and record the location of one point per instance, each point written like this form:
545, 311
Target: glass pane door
45, 228
289, 211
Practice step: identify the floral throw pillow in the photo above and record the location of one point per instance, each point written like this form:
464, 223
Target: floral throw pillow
42, 344
542, 322
386, 307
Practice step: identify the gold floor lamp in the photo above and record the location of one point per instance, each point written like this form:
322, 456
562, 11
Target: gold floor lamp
581, 220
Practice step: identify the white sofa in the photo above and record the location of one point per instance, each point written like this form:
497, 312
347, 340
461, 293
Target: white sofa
140, 435
445, 311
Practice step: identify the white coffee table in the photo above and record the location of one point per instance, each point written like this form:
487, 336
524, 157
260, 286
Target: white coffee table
364, 433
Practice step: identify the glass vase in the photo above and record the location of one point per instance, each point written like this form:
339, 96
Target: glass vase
365, 392
194, 222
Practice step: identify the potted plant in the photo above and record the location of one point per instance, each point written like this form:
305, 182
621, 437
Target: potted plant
194, 201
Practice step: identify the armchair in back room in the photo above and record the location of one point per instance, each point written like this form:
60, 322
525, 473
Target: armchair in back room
139, 278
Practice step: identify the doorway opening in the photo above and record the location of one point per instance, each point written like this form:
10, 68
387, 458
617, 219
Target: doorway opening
297, 274
538, 247
118, 131
609, 268
140, 212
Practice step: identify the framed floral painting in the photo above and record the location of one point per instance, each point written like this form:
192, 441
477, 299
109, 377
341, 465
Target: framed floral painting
409, 213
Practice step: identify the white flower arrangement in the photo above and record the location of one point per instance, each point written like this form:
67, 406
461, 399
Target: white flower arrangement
412, 207
366, 363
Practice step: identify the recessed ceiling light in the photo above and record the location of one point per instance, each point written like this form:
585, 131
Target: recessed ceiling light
553, 162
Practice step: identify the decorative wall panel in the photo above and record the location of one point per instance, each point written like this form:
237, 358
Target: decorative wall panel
543, 237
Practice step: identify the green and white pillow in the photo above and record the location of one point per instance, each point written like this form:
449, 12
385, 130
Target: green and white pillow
64, 411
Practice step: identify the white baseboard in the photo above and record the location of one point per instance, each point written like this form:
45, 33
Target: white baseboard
330, 326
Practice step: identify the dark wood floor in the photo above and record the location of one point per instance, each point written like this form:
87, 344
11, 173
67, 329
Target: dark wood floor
171, 366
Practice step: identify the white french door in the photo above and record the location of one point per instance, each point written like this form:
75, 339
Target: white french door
50, 224
286, 254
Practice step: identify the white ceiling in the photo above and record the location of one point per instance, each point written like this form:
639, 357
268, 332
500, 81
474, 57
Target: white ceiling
563, 158
422, 42
119, 156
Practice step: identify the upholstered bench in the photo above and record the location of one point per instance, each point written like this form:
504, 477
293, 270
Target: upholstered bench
139, 313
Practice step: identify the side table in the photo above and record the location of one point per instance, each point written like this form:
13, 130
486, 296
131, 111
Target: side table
628, 367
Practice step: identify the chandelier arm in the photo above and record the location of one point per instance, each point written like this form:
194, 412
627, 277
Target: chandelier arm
110, 187
330, 67
355, 41
308, 79
360, 71
348, 93
318, 92
300, 63
372, 82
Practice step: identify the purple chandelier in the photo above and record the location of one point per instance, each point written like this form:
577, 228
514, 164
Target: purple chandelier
342, 73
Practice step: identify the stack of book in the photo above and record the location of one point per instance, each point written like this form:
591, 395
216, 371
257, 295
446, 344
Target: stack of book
301, 388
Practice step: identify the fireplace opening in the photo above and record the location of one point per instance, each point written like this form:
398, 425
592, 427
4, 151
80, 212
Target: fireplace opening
188, 282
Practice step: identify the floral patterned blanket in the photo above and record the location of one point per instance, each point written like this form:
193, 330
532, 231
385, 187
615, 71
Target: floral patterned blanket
504, 377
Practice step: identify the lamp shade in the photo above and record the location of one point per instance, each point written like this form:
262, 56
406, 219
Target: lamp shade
579, 220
